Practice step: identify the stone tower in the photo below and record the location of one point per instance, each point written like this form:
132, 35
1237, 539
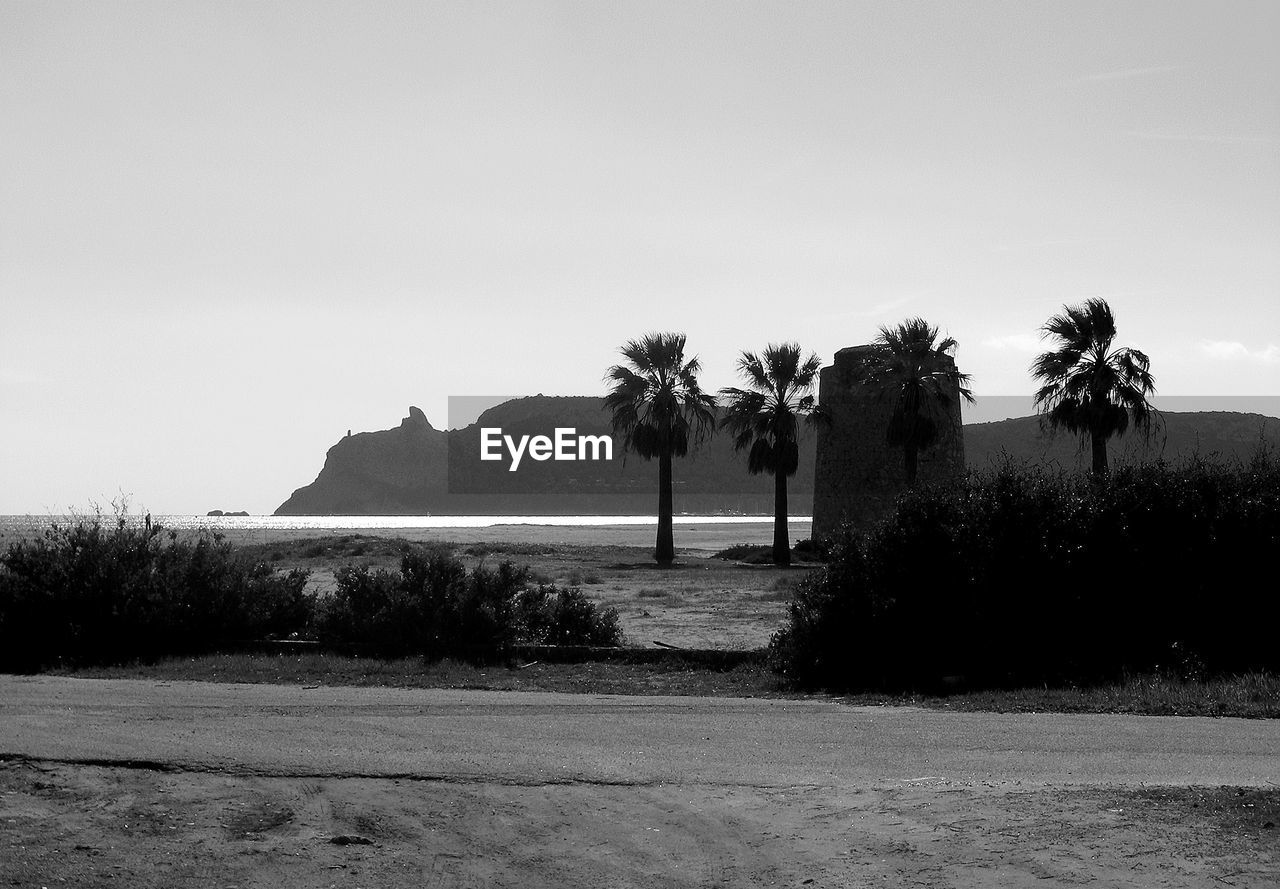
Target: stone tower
857, 475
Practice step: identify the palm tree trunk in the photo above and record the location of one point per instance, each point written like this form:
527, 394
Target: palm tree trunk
1099, 454
665, 551
781, 544
910, 455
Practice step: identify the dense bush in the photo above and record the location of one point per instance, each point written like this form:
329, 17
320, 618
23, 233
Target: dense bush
549, 615
755, 554
98, 591
433, 606
1023, 575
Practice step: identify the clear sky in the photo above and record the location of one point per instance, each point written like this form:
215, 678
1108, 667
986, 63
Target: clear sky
229, 232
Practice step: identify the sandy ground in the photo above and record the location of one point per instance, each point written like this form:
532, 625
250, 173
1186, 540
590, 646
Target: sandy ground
174, 784
95, 826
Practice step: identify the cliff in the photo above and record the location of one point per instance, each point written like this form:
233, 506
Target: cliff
398, 471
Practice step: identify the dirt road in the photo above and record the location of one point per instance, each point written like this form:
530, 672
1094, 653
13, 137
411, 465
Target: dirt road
219, 785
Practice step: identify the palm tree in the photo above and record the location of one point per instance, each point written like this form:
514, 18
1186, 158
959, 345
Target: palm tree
1090, 387
907, 365
766, 417
661, 412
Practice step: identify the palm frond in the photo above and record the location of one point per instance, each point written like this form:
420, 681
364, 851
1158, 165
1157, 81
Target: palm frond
1087, 387
910, 367
655, 400
764, 418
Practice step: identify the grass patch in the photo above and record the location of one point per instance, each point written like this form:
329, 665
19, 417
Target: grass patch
1252, 695
579, 577
333, 546
775, 596
672, 676
666, 597
781, 590
480, 550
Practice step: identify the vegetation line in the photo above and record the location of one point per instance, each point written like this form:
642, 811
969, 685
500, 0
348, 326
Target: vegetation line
1255, 695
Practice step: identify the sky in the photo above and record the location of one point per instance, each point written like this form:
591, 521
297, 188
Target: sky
230, 232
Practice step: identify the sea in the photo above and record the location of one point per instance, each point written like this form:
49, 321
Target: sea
692, 532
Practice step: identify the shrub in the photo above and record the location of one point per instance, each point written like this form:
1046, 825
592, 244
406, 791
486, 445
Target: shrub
752, 554
550, 615
100, 592
739, 551
371, 609
810, 548
432, 606
1025, 576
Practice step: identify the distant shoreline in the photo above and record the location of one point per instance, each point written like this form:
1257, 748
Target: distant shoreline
692, 533
345, 522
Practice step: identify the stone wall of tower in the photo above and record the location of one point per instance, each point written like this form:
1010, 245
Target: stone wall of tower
857, 475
